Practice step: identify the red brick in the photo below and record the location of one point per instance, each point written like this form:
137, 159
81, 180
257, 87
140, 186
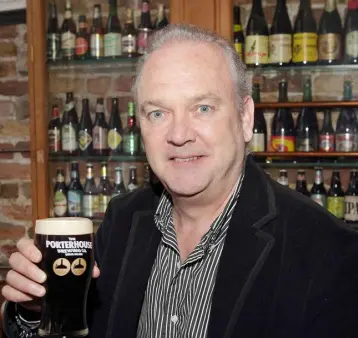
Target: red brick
6, 156
8, 249
26, 189
13, 88
9, 190
7, 32
7, 109
123, 83
294, 82
98, 86
10, 231
7, 69
123, 103
8, 49
11, 128
13, 170
17, 212
61, 85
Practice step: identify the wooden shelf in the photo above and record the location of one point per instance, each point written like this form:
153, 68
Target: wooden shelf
306, 154
314, 104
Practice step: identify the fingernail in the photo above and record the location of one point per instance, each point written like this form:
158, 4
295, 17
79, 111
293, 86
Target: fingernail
37, 256
42, 277
40, 291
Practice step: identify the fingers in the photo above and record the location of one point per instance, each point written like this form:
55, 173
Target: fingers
24, 285
28, 249
14, 295
96, 271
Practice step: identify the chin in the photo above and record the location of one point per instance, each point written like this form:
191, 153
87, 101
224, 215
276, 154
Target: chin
184, 188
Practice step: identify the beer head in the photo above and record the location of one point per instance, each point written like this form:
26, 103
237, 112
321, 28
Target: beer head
64, 226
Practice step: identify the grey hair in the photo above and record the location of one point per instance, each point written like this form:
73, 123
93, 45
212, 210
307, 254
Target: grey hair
185, 32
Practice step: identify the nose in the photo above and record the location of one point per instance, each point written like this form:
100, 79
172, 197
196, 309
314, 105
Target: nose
181, 130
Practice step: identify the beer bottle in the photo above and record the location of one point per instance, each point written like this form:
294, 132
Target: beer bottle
85, 139
53, 35
146, 176
113, 36
351, 200
162, 20
256, 44
131, 133
280, 40
305, 36
75, 192
351, 33
69, 126
330, 35
60, 195
90, 195
100, 130
283, 178
301, 184
283, 135
259, 137
105, 190
82, 39
345, 129
68, 34
144, 29
238, 36
307, 125
326, 136
115, 129
335, 199
129, 36
97, 34
141, 145
133, 183
119, 187
318, 191
54, 131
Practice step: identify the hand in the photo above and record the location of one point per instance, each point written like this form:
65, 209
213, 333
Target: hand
25, 278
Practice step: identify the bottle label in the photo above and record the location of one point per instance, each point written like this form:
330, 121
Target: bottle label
54, 140
320, 199
345, 142
335, 206
326, 143
97, 46
143, 36
239, 49
114, 139
60, 204
103, 203
237, 28
280, 48
69, 106
132, 187
283, 143
84, 140
74, 202
256, 49
351, 208
130, 143
329, 47
283, 180
305, 47
257, 142
113, 44
305, 144
53, 46
352, 44
100, 138
81, 46
90, 205
68, 42
69, 139
128, 44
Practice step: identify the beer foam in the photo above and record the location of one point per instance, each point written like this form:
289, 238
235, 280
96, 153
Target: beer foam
62, 226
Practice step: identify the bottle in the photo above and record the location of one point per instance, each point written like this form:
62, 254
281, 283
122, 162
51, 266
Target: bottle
144, 29
85, 139
113, 36
256, 44
345, 137
54, 131
146, 176
131, 133
238, 36
283, 178
60, 195
307, 125
351, 33
90, 195
162, 20
115, 129
354, 121
82, 39
280, 40
119, 187
305, 36
330, 35
318, 191
129, 36
326, 135
75, 192
105, 190
301, 184
259, 137
351, 200
100, 130
68, 33
335, 198
283, 134
97, 34
141, 145
69, 126
133, 183
53, 35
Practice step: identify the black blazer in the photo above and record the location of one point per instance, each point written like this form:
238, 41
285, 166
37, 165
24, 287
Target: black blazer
288, 268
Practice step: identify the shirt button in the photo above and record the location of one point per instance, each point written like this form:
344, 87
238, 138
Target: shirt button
174, 319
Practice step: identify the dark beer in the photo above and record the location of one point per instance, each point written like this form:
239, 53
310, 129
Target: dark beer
66, 246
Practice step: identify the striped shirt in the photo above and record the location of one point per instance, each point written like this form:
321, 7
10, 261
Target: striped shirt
178, 298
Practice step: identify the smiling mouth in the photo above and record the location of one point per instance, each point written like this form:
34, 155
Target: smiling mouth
185, 159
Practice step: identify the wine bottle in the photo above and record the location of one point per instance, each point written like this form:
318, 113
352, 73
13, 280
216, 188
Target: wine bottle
259, 137
100, 130
115, 129
68, 34
69, 126
280, 41
105, 190
97, 34
75, 192
54, 131
318, 191
90, 195
60, 195
85, 137
145, 28
351, 33
53, 35
82, 39
326, 135
162, 20
129, 36
113, 36
238, 36
335, 199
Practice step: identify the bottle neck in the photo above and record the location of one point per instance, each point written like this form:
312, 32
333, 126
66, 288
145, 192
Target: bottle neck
145, 7
55, 113
74, 174
318, 177
89, 175
353, 179
118, 179
100, 108
104, 172
307, 93
257, 7
160, 13
113, 8
133, 176
336, 179
304, 5
327, 120
283, 92
347, 95
114, 108
330, 6
60, 177
256, 96
281, 5
131, 121
68, 13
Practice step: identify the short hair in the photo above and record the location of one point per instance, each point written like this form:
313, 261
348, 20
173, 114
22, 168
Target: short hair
185, 32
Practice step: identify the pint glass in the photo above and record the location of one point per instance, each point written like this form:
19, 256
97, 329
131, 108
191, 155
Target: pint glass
67, 259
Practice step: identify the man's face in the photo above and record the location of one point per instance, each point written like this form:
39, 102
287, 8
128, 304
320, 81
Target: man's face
191, 127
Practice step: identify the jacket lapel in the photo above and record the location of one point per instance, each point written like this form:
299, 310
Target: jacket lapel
245, 251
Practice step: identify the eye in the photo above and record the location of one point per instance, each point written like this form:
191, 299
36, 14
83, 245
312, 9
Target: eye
204, 109
155, 114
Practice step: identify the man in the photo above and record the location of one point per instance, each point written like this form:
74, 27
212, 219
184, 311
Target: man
224, 251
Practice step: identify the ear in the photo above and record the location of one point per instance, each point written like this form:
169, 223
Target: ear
248, 118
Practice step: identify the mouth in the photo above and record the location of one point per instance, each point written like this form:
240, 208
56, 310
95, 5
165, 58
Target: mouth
185, 159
